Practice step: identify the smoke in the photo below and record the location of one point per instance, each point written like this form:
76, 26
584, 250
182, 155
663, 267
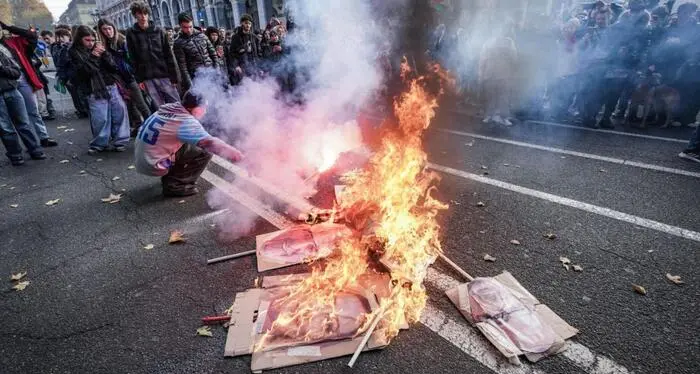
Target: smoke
286, 137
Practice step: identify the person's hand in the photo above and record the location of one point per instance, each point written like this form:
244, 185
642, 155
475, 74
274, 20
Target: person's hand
234, 155
98, 50
277, 49
238, 70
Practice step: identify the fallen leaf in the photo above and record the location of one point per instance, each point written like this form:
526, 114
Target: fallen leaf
506, 164
480, 204
98, 160
69, 130
470, 144
564, 260
131, 167
149, 246
14, 205
112, 198
550, 236
69, 142
515, 242
562, 157
82, 172
650, 251
181, 202
63, 162
204, 331
176, 237
20, 285
482, 232
116, 178
3, 185
639, 289
455, 202
565, 266
12, 188
18, 276
489, 258
212, 225
61, 127
577, 268
52, 202
484, 167
602, 170
674, 278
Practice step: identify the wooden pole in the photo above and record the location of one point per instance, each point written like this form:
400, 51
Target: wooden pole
230, 257
365, 339
456, 267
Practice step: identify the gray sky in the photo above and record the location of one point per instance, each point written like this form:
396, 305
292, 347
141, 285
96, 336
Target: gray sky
56, 7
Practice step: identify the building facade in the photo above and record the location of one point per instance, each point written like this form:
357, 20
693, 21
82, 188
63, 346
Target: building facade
218, 13
80, 12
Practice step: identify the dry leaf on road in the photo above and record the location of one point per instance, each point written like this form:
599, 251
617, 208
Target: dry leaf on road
149, 246
566, 266
674, 278
577, 268
204, 331
98, 160
131, 167
18, 276
20, 286
515, 242
116, 178
550, 236
63, 162
489, 258
181, 202
14, 205
61, 127
480, 204
564, 260
52, 202
112, 198
639, 289
176, 237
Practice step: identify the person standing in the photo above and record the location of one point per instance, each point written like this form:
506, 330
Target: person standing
64, 70
243, 53
152, 57
173, 145
216, 37
192, 50
22, 45
14, 123
96, 71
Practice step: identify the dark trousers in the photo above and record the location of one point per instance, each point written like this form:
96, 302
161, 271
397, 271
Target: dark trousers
690, 101
79, 100
137, 104
190, 162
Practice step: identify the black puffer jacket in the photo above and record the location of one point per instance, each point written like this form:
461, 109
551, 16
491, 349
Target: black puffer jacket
9, 73
193, 52
151, 55
244, 52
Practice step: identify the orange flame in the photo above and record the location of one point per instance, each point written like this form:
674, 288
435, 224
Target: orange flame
390, 205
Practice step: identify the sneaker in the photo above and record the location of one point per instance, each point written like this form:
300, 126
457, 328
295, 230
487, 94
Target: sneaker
93, 151
694, 125
119, 148
49, 142
181, 193
487, 119
16, 161
38, 156
506, 122
692, 156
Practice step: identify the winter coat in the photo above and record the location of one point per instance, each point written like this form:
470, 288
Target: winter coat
117, 48
151, 54
9, 72
61, 59
93, 74
22, 47
244, 52
499, 60
193, 52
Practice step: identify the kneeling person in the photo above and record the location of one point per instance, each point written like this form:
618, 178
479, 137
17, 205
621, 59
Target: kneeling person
173, 145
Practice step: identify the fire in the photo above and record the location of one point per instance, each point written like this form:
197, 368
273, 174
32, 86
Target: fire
323, 149
391, 207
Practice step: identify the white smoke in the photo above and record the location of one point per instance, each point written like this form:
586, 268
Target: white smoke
333, 51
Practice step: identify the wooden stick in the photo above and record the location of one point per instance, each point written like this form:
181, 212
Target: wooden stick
456, 267
230, 257
365, 339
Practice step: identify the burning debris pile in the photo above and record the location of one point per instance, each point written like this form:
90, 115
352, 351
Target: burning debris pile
375, 261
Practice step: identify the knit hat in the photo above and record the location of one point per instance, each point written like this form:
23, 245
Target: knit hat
246, 17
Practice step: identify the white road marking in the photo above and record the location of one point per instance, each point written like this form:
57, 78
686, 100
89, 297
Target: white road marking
607, 212
591, 156
652, 137
458, 333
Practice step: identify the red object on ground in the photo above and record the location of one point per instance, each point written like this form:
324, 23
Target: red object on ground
215, 320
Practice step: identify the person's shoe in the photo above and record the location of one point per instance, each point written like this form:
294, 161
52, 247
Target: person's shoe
694, 125
16, 161
506, 122
181, 193
688, 155
93, 151
119, 148
38, 156
49, 142
676, 124
607, 125
498, 119
487, 119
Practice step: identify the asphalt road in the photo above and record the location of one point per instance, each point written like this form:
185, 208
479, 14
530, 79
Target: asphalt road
98, 302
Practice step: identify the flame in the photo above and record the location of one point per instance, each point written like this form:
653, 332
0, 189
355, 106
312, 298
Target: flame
323, 149
391, 207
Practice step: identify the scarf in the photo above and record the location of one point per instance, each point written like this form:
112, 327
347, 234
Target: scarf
19, 45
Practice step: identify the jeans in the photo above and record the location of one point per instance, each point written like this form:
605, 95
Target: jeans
161, 91
27, 93
108, 120
190, 162
694, 143
14, 124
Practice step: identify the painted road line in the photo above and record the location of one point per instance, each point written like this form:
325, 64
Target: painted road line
590, 156
607, 212
635, 135
464, 337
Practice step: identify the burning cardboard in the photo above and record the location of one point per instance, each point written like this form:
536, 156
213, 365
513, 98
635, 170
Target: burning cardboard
513, 320
297, 244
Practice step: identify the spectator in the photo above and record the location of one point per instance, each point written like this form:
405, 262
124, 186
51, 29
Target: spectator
192, 50
96, 72
497, 75
14, 122
216, 37
687, 82
566, 83
65, 72
173, 145
115, 43
151, 57
22, 45
44, 102
692, 151
244, 53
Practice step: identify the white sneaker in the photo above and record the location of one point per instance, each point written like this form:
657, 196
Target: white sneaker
497, 118
487, 119
506, 122
694, 125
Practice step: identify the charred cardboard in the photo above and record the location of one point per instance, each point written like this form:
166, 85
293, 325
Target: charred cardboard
545, 315
242, 333
324, 244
